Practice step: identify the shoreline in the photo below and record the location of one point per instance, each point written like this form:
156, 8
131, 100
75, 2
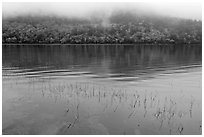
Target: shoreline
59, 44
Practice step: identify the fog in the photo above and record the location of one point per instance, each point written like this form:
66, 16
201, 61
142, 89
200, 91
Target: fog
181, 10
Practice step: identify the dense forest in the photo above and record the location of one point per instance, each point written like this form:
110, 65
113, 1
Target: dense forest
119, 28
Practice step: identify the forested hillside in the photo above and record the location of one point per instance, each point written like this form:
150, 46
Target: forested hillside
119, 28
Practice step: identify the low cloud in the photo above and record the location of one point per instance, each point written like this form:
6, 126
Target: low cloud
86, 10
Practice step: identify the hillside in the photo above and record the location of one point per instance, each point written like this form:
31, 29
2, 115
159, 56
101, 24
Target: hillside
118, 28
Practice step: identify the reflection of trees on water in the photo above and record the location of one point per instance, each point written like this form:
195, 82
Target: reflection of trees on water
100, 59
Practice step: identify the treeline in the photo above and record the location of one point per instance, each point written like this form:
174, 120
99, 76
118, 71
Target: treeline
119, 28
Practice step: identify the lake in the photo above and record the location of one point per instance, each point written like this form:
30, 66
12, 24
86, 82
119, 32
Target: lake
101, 89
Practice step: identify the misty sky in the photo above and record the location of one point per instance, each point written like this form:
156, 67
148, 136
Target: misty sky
183, 10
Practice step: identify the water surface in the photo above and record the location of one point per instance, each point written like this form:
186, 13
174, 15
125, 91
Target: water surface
102, 89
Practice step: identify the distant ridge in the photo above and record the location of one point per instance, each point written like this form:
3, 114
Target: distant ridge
119, 28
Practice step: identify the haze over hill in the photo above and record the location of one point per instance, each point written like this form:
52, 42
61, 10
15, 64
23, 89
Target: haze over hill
182, 10
98, 23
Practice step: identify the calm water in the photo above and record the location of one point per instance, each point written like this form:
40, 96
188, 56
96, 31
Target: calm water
102, 89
